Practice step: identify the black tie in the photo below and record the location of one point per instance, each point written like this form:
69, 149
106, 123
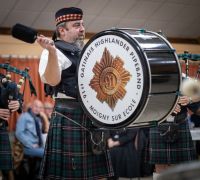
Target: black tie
37, 126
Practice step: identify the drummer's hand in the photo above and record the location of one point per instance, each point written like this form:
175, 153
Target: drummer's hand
184, 100
177, 109
46, 43
112, 143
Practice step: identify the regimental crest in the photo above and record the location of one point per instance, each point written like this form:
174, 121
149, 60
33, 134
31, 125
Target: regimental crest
110, 79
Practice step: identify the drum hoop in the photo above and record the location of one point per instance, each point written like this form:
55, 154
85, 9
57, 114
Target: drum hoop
146, 74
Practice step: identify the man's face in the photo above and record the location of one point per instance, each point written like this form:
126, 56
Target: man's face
74, 32
37, 107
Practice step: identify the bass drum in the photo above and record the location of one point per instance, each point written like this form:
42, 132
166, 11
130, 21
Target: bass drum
128, 77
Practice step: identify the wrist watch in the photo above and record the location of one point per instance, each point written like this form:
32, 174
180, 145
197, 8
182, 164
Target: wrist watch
190, 100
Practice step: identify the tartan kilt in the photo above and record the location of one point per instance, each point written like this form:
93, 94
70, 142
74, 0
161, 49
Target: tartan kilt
180, 151
68, 153
6, 162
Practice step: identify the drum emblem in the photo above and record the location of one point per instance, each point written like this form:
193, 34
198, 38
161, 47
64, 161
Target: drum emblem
110, 79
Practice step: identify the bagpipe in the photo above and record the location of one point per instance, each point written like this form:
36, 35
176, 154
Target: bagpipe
11, 90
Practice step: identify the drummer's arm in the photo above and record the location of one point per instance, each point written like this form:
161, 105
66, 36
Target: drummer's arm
52, 68
194, 99
49, 60
52, 61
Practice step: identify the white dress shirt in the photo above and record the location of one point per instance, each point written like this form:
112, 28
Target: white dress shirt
63, 63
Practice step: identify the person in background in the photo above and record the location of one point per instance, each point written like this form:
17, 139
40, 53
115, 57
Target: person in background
6, 162
48, 109
68, 152
29, 130
165, 154
125, 153
194, 121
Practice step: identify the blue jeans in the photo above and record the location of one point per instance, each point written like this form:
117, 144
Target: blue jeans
34, 152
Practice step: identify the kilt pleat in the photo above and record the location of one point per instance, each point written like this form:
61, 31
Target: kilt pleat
182, 150
5, 150
68, 153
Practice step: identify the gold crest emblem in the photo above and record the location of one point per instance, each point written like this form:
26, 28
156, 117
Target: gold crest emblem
110, 79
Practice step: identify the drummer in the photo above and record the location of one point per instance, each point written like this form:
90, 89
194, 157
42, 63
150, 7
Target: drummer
68, 152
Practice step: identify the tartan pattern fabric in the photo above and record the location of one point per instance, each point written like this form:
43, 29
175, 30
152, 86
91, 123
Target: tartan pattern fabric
68, 153
68, 17
182, 150
5, 150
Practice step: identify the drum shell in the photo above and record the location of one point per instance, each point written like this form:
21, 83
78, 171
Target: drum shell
165, 78
164, 68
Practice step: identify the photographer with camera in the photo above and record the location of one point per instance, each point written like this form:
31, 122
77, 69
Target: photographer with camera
8, 104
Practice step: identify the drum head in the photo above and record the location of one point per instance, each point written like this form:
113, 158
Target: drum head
113, 79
